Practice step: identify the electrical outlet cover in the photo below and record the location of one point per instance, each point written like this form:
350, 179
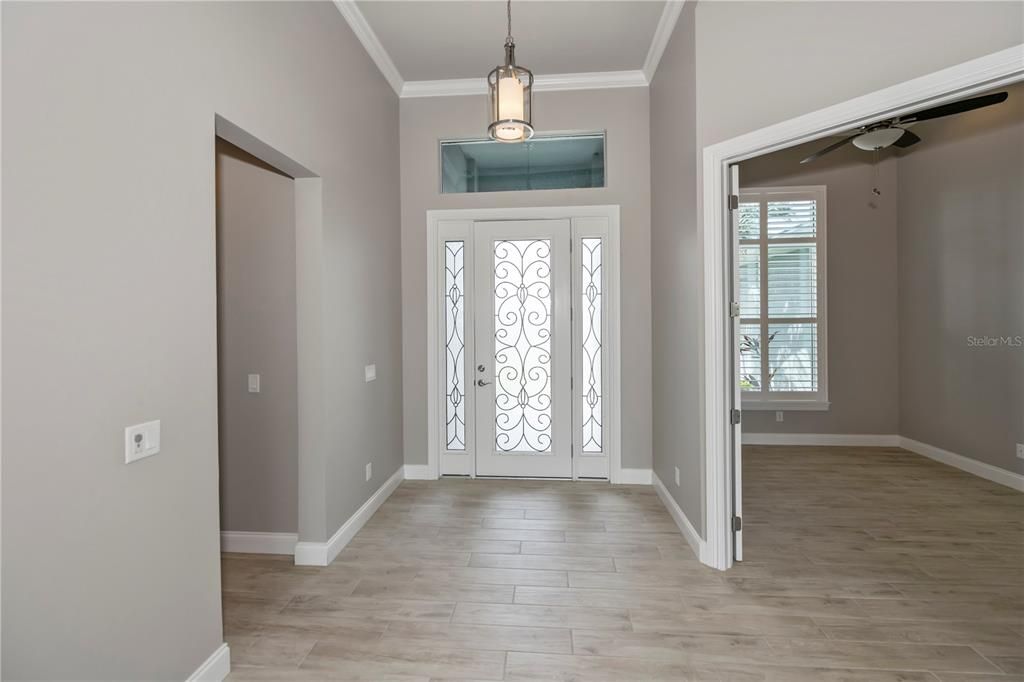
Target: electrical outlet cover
141, 440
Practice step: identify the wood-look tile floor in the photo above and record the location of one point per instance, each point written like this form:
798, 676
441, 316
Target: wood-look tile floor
861, 564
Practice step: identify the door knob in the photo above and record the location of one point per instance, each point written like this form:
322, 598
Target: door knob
481, 382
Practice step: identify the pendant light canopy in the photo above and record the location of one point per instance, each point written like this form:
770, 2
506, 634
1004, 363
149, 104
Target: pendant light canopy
510, 89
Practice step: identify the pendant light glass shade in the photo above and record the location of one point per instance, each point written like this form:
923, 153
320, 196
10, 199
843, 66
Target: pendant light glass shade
510, 90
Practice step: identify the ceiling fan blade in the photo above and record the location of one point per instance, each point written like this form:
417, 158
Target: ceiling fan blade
831, 148
907, 139
956, 107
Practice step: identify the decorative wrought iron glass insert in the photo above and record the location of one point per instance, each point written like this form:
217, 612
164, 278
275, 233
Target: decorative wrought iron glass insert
522, 345
545, 162
591, 310
455, 344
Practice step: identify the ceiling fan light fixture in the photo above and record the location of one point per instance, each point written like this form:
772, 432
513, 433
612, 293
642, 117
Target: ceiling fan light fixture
510, 92
878, 139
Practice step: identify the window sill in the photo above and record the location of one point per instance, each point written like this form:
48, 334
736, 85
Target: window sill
787, 405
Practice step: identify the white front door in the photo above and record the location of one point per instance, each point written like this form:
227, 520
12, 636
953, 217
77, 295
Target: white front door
523, 336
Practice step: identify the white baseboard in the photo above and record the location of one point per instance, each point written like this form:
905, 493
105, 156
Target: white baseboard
323, 553
418, 472
247, 542
634, 476
685, 527
850, 439
215, 668
995, 474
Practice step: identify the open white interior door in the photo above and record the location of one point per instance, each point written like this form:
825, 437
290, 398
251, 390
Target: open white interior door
734, 374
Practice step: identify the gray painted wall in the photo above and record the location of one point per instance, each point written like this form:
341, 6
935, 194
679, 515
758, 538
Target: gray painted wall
961, 275
259, 463
109, 311
833, 51
863, 380
676, 274
624, 113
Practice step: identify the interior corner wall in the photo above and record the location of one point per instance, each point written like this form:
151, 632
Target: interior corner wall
961, 284
256, 334
109, 313
862, 315
624, 114
676, 273
746, 79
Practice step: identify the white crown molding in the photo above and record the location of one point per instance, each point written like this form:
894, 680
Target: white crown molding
597, 80
454, 87
361, 27
662, 34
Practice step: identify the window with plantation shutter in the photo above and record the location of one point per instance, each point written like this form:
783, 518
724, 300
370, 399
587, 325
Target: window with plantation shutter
781, 281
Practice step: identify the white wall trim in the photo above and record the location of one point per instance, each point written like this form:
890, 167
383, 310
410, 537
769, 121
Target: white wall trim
371, 43
419, 472
685, 527
849, 439
1010, 479
946, 85
597, 80
215, 668
635, 476
662, 34
323, 553
247, 542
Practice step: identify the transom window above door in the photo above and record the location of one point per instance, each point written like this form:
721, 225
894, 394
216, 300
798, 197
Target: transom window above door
573, 161
781, 293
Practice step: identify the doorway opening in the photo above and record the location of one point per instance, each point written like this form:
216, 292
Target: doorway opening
257, 360
725, 416
523, 366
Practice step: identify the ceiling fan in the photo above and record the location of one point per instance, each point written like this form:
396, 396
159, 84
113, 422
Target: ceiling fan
894, 131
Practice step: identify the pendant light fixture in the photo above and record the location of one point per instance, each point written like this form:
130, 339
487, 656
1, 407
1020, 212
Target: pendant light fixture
510, 89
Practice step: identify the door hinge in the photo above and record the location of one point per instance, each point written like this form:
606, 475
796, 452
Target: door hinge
734, 309
734, 202
737, 524
734, 416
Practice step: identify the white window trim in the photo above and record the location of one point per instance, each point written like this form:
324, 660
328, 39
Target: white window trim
792, 401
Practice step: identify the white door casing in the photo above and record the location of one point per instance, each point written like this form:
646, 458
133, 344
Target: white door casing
585, 414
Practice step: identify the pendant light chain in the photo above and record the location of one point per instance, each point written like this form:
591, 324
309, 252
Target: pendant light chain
510, 89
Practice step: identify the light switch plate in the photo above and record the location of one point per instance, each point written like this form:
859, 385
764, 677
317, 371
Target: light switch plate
779, 416
141, 440
370, 371
254, 383
369, 470
677, 476
1020, 450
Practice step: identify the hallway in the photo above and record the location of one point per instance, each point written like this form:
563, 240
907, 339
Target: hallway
862, 565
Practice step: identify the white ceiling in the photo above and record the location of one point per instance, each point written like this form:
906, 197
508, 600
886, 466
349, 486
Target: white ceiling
432, 40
